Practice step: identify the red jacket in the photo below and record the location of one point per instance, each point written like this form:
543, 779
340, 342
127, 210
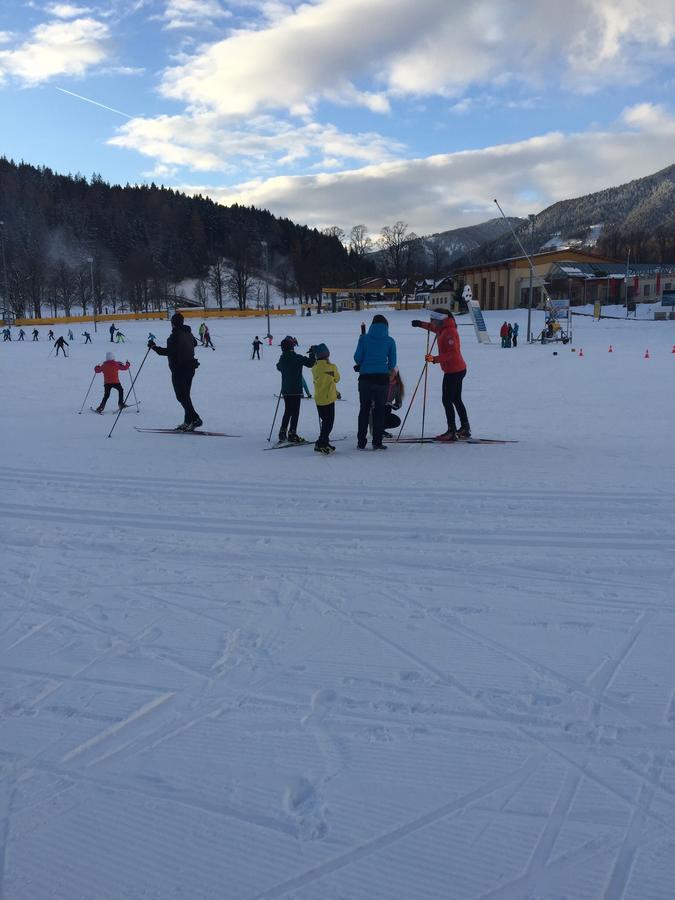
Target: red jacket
111, 369
449, 348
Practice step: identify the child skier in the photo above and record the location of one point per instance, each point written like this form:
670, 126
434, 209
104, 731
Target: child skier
60, 344
206, 338
22, 334
87, 337
111, 369
290, 365
325, 375
119, 337
50, 335
394, 402
36, 334
71, 336
256, 344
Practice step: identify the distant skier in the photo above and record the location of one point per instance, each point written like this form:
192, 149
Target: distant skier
290, 365
206, 338
110, 369
22, 334
269, 339
514, 334
71, 336
325, 375
87, 337
180, 350
509, 335
200, 332
504, 333
112, 331
36, 334
6, 334
450, 357
257, 344
60, 344
50, 336
120, 337
151, 336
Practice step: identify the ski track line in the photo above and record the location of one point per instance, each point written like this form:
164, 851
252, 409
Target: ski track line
390, 838
453, 682
242, 527
625, 859
28, 592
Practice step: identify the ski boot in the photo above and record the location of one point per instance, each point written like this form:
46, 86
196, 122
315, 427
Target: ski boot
182, 427
464, 433
447, 437
282, 437
325, 450
294, 438
197, 423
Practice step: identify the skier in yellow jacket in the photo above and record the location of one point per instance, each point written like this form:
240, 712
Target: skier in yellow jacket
326, 376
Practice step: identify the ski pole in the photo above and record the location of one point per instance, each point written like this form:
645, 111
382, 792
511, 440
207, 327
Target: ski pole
87, 394
424, 396
274, 419
132, 389
412, 399
133, 382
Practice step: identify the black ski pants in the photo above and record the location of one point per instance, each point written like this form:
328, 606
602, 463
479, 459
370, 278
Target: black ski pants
289, 420
256, 353
373, 392
181, 379
327, 419
391, 420
107, 388
452, 399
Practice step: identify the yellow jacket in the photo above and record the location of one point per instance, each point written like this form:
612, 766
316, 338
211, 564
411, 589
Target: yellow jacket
326, 376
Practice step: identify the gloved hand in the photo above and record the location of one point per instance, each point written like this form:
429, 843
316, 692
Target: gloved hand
429, 358
357, 367
339, 395
416, 323
151, 345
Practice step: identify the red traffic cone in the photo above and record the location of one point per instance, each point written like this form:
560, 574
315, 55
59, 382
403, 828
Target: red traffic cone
647, 354
581, 352
611, 349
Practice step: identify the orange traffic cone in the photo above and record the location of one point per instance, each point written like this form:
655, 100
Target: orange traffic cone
611, 349
581, 352
647, 354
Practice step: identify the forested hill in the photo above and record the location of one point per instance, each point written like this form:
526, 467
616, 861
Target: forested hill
638, 216
139, 242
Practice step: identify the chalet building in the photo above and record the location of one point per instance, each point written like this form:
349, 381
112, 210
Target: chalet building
595, 282
504, 283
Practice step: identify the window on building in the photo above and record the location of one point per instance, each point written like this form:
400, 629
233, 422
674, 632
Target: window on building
493, 293
483, 289
646, 290
501, 296
475, 291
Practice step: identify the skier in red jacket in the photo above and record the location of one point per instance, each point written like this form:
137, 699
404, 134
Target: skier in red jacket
111, 369
450, 357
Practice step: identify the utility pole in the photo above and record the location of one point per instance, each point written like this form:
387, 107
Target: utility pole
267, 286
90, 260
5, 292
626, 281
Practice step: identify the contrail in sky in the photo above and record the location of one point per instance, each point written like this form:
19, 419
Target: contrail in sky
95, 103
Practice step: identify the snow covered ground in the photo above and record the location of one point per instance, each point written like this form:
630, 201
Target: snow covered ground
435, 672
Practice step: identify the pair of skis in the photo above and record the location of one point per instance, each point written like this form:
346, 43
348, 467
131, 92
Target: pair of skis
178, 431
431, 440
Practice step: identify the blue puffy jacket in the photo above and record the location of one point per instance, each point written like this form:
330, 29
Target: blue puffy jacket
376, 351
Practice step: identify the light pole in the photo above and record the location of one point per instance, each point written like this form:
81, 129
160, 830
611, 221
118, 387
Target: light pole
625, 280
267, 286
90, 260
531, 217
5, 292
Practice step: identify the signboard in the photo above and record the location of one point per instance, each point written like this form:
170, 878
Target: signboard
668, 298
476, 314
560, 308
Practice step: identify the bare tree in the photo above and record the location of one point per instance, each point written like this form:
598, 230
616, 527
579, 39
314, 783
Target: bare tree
201, 292
360, 244
397, 246
216, 279
439, 261
240, 280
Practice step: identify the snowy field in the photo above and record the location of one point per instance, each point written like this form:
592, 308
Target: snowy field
437, 673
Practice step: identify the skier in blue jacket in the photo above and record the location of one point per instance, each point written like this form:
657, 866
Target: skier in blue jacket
375, 357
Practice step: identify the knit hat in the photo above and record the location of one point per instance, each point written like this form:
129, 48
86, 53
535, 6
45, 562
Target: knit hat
379, 319
287, 344
109, 356
177, 319
321, 351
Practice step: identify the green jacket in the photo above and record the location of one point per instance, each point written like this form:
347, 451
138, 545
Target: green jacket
290, 365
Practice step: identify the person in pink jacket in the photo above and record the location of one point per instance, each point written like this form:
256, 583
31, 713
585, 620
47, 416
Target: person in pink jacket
111, 369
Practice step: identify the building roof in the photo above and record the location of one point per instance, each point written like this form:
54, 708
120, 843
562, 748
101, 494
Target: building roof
572, 269
553, 255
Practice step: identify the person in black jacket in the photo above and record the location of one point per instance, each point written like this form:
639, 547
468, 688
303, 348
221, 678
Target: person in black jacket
290, 365
180, 349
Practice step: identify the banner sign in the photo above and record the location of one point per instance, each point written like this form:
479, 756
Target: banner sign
476, 314
668, 298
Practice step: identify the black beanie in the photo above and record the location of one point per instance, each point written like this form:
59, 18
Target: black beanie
177, 319
379, 319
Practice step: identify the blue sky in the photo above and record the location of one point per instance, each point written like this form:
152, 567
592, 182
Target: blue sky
345, 111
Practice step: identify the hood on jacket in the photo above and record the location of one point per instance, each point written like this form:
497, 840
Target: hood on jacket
378, 330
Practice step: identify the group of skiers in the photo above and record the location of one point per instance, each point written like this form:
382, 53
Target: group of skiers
509, 334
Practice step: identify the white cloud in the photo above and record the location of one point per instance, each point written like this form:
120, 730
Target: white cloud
57, 48
183, 14
208, 142
364, 52
449, 190
67, 10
